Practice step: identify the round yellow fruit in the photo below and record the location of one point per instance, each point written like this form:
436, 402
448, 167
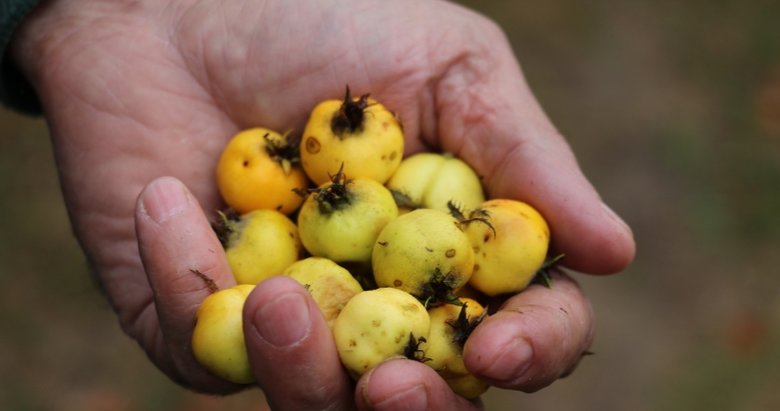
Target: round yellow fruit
331, 285
261, 244
218, 337
450, 327
424, 253
343, 218
376, 325
467, 386
259, 169
359, 134
510, 246
431, 180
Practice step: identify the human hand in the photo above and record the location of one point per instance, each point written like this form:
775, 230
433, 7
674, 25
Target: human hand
150, 89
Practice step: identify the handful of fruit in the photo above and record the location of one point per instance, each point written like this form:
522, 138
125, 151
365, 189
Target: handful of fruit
399, 253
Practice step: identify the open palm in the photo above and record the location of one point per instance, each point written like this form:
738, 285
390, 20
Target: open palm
155, 89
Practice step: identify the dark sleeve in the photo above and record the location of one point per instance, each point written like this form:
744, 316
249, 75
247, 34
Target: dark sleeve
15, 92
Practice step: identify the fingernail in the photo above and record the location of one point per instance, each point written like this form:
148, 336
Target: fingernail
612, 215
284, 321
515, 359
165, 198
414, 398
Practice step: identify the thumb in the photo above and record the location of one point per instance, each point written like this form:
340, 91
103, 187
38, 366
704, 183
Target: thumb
497, 126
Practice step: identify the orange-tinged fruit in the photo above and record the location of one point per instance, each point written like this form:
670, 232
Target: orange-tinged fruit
510, 246
259, 169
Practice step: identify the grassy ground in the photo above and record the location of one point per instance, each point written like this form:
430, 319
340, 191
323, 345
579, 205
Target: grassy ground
673, 109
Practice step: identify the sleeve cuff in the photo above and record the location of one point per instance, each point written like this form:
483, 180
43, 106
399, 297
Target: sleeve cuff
15, 91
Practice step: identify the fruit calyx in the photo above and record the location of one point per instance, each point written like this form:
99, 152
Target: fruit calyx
412, 350
285, 153
335, 196
478, 215
227, 224
439, 290
350, 116
543, 276
402, 200
462, 327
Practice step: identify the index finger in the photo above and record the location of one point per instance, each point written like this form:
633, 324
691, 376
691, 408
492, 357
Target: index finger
182, 257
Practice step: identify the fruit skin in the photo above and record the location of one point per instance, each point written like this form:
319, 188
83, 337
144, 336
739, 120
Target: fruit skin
376, 325
374, 150
346, 233
444, 347
467, 386
509, 255
264, 243
331, 285
218, 337
421, 249
249, 178
431, 180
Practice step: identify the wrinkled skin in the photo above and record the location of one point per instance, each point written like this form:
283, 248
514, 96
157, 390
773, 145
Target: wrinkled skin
136, 90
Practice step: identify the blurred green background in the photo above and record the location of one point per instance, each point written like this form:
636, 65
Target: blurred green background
673, 109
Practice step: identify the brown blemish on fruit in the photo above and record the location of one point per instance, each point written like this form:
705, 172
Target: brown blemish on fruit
398, 283
312, 145
385, 125
486, 238
410, 307
382, 243
376, 323
429, 249
450, 253
476, 267
245, 163
352, 343
393, 155
279, 207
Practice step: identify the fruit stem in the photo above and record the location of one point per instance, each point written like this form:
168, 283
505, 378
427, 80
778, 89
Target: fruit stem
210, 283
349, 118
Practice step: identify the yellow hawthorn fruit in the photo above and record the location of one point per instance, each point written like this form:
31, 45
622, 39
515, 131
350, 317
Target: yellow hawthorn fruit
341, 219
431, 180
510, 240
259, 244
379, 324
358, 133
425, 253
218, 336
467, 386
259, 169
331, 285
451, 325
